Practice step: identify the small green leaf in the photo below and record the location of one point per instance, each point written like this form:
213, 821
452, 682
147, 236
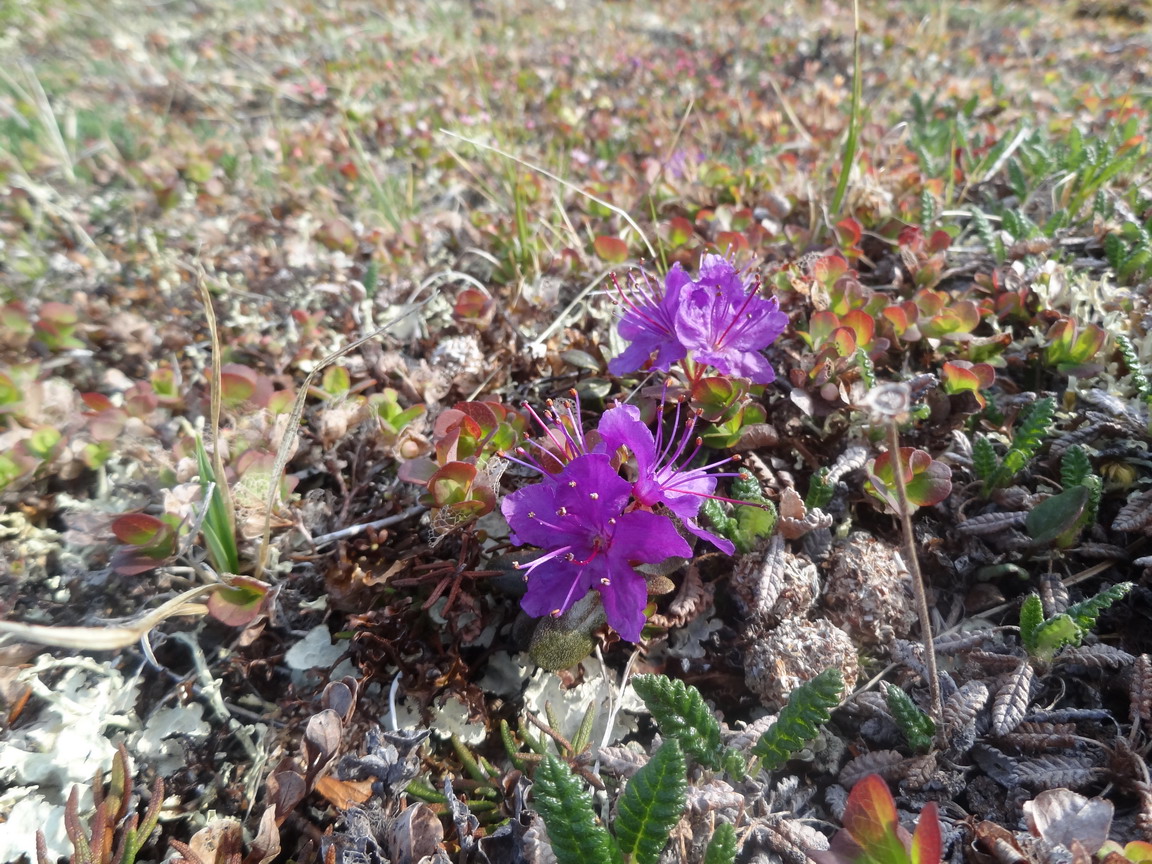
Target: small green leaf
1031, 617
918, 727
651, 805
722, 848
1054, 634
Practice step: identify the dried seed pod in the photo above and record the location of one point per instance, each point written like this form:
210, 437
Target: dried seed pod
778, 662
1012, 699
867, 591
1038, 737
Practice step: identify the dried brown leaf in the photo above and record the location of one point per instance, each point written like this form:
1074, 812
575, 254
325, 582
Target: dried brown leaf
992, 523
961, 708
1098, 656
1140, 690
1135, 514
1012, 699
1049, 772
889, 764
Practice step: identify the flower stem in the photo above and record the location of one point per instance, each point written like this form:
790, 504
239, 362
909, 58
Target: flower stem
918, 591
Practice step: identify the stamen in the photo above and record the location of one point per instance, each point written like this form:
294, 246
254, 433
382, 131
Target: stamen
748, 298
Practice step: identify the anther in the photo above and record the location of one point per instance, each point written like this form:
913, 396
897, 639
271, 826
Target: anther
595, 496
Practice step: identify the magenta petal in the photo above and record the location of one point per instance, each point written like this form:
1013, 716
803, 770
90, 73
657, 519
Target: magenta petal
622, 427
648, 538
624, 601
723, 544
554, 586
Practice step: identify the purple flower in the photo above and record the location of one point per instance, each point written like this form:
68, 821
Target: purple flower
649, 322
659, 479
719, 320
724, 322
578, 517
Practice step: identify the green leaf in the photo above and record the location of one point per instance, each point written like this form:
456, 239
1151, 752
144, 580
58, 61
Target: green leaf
820, 492
1031, 617
651, 805
809, 707
918, 727
983, 458
722, 847
1074, 467
577, 836
1054, 634
1058, 515
219, 532
1026, 441
680, 713
1087, 611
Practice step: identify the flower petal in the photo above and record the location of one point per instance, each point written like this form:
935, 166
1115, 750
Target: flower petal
555, 585
624, 601
622, 427
648, 538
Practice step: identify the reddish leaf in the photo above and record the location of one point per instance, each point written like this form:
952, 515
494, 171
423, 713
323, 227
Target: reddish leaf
845, 341
870, 819
850, 231
680, 231
863, 326
97, 401
139, 529
238, 604
452, 483
927, 845
731, 241
610, 249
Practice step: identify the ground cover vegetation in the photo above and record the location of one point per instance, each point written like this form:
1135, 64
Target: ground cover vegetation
484, 431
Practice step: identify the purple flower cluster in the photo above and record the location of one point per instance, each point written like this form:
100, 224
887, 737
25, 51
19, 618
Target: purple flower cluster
718, 320
593, 524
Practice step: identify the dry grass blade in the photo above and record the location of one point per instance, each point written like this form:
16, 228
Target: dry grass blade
108, 638
570, 186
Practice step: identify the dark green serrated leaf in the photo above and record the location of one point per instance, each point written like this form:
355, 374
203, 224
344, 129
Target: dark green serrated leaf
722, 848
1031, 617
651, 805
1026, 441
577, 837
1075, 467
809, 707
983, 458
680, 712
918, 727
